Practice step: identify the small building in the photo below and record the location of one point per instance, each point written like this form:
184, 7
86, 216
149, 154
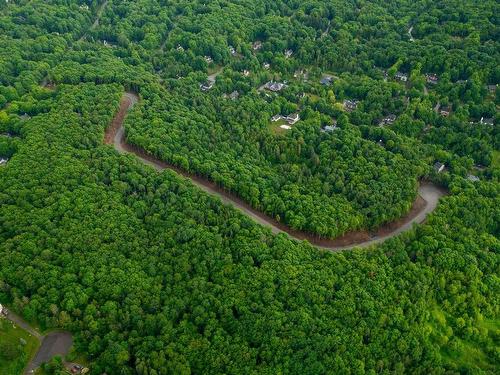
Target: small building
3, 310
274, 86
487, 121
84, 7
330, 128
288, 53
403, 77
432, 78
208, 59
492, 88
267, 66
257, 45
3, 161
472, 178
389, 120
234, 95
276, 118
439, 167
246, 73
292, 118
180, 48
286, 127
445, 112
25, 117
207, 85
326, 80
232, 50
350, 105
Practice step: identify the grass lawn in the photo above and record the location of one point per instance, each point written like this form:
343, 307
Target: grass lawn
495, 160
13, 336
275, 128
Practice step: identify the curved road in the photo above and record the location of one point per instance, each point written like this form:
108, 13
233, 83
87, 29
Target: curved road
52, 344
427, 201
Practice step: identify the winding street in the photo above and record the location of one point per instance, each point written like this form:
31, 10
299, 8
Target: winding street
426, 202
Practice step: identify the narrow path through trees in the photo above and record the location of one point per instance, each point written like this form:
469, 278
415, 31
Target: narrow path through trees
427, 201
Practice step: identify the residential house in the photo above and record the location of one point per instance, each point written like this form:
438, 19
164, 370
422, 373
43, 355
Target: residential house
286, 127
234, 95
208, 59
267, 66
246, 73
180, 48
492, 88
232, 50
432, 78
389, 120
292, 118
439, 167
330, 128
288, 53
403, 77
274, 86
326, 80
3, 161
257, 45
445, 112
207, 85
350, 105
487, 121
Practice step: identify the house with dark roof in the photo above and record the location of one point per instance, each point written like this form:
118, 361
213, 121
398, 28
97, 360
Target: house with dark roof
445, 111
487, 121
207, 85
275, 86
492, 88
350, 105
388, 120
432, 78
326, 80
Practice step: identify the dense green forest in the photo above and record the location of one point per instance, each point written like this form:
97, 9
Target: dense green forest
153, 276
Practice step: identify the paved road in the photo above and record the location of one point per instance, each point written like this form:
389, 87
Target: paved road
428, 200
16, 319
54, 343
